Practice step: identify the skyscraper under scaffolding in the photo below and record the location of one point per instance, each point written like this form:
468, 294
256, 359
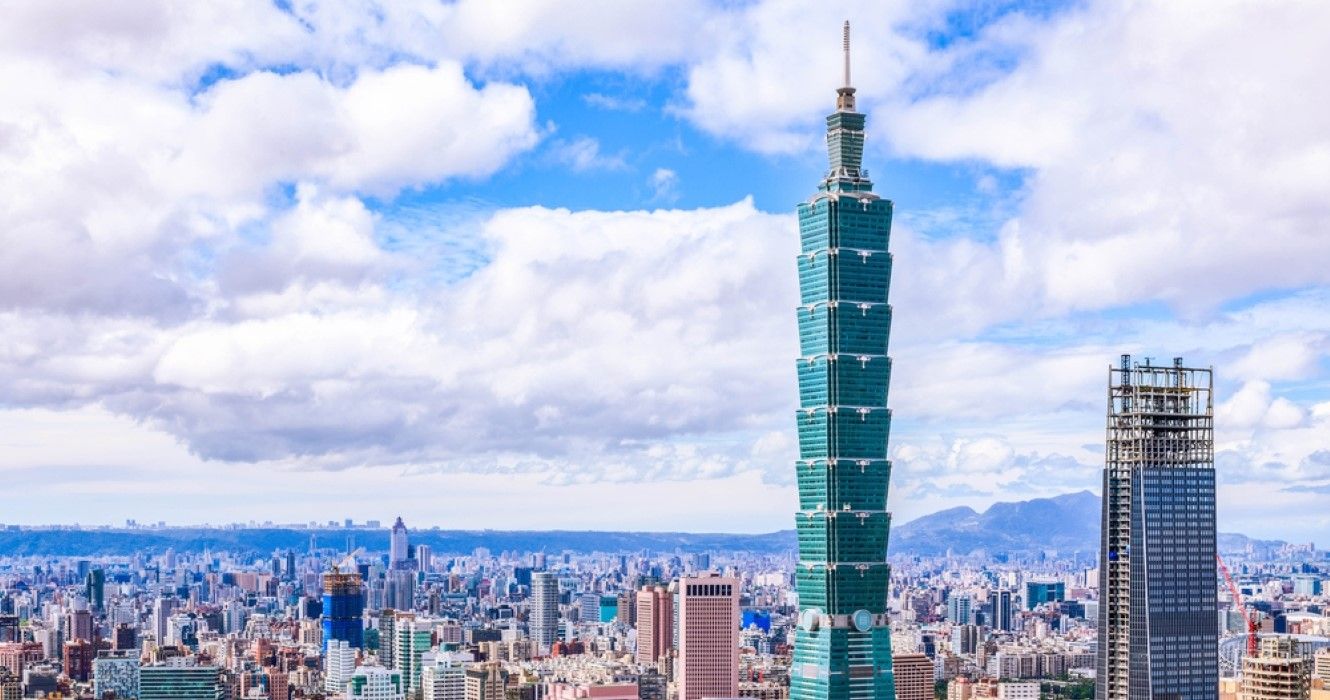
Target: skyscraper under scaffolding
1158, 612
842, 649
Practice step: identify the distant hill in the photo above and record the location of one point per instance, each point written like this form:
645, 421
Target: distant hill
1066, 524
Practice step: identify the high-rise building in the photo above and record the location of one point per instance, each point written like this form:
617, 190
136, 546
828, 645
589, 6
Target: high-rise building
1159, 608
375, 683
544, 622
1002, 610
1278, 672
95, 589
77, 657
162, 609
958, 609
400, 589
914, 676
655, 624
424, 558
964, 639
842, 648
412, 640
708, 637
179, 681
343, 609
443, 676
338, 664
486, 681
397, 546
80, 625
1039, 592
626, 612
116, 672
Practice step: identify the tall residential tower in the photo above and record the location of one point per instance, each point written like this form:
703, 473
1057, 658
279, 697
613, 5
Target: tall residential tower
842, 648
1159, 609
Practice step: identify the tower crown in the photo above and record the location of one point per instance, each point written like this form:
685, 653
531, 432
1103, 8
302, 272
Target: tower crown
845, 136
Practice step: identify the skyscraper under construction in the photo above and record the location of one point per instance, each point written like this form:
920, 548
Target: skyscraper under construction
842, 647
1158, 612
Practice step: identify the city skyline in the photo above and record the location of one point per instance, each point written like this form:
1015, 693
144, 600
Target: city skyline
550, 272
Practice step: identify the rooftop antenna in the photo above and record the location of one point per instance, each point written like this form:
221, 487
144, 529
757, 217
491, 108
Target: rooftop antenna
845, 40
845, 95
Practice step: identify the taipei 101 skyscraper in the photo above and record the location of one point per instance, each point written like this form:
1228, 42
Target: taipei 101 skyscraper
842, 648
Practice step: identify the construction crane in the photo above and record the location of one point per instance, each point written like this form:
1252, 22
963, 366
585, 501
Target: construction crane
1248, 615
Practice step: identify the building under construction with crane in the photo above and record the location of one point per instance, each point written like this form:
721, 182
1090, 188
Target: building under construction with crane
1158, 612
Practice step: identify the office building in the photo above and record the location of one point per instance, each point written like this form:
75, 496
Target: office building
443, 676
162, 610
77, 657
842, 647
964, 639
338, 664
1002, 613
1039, 592
398, 549
708, 637
343, 609
626, 610
1158, 607
655, 624
958, 610
116, 672
914, 676
400, 589
179, 681
544, 622
79, 625
486, 681
375, 683
1279, 671
412, 640
424, 558
95, 589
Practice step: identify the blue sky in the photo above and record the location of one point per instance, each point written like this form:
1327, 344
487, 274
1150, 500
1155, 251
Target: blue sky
531, 264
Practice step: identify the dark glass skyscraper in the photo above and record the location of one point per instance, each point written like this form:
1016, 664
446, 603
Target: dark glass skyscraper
1158, 613
843, 644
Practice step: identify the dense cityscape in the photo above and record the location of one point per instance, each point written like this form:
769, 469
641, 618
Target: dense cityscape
479, 625
1158, 604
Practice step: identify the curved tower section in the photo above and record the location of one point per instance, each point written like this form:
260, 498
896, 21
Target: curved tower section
842, 646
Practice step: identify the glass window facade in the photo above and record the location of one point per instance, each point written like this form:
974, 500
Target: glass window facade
1158, 612
843, 373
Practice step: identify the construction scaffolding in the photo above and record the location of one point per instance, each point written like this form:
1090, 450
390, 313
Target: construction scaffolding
1158, 507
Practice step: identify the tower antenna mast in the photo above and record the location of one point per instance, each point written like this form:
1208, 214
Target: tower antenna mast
845, 40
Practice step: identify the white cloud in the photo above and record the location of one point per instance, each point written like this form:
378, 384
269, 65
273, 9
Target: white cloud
1174, 157
583, 154
664, 185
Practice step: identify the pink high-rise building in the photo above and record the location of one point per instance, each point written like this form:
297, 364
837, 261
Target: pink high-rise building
655, 624
708, 637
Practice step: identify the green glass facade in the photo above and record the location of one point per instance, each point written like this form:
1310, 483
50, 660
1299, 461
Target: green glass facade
179, 683
842, 646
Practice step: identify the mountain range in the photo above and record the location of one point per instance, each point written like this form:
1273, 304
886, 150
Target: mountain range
1064, 524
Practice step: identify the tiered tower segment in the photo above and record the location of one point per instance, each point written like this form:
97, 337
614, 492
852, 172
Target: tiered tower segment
843, 643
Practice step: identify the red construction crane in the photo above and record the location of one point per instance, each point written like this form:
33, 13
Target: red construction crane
1249, 615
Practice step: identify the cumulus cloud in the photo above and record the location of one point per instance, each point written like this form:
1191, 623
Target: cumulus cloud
201, 243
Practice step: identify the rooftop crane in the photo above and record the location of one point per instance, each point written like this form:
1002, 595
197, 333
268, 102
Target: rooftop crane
1249, 615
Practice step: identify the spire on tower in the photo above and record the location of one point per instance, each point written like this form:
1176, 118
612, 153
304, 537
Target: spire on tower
845, 94
845, 39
